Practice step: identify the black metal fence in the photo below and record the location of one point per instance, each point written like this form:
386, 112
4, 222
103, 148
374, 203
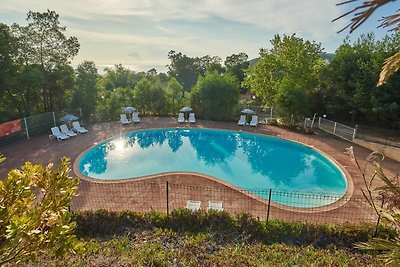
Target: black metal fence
262, 204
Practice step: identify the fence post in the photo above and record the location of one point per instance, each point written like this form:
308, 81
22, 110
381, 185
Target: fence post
319, 122
334, 127
167, 192
269, 203
54, 119
355, 132
26, 128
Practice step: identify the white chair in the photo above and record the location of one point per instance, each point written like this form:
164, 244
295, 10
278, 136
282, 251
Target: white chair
254, 121
242, 120
64, 129
192, 118
78, 128
123, 119
135, 117
215, 205
193, 205
181, 117
55, 131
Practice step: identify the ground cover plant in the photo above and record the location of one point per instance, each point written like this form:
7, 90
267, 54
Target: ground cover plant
211, 239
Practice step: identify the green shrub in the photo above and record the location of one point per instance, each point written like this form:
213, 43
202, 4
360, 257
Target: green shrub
241, 227
34, 216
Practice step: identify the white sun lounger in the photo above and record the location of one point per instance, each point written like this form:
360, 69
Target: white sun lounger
135, 117
64, 129
78, 128
123, 119
242, 120
193, 205
55, 131
181, 117
254, 121
192, 118
215, 205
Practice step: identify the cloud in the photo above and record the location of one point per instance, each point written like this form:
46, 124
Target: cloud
141, 32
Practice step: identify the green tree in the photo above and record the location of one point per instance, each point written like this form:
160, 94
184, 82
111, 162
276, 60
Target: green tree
348, 83
150, 96
119, 76
185, 69
34, 216
8, 69
85, 93
291, 66
174, 95
236, 64
43, 43
110, 103
143, 95
210, 64
361, 13
215, 96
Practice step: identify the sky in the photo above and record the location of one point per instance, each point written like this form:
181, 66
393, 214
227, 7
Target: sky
139, 33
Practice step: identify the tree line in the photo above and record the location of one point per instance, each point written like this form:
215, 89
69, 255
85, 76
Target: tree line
36, 76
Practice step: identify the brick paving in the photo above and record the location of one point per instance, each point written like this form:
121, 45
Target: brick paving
127, 194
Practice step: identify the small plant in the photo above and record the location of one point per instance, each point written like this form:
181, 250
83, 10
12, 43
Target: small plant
34, 216
389, 192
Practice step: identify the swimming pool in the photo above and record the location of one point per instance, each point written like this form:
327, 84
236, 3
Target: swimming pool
248, 161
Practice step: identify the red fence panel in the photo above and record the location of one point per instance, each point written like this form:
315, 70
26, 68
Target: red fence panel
10, 127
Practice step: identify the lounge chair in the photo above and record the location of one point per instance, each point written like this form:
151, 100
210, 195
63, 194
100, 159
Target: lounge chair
181, 117
192, 119
55, 131
135, 117
193, 205
254, 121
123, 119
64, 129
78, 128
215, 205
242, 120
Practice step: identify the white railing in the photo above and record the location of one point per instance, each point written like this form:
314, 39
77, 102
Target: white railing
337, 129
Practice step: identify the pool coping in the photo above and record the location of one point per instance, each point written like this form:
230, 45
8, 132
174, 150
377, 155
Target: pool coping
332, 206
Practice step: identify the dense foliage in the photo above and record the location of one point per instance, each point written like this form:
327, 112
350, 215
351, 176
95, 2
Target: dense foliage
215, 96
34, 216
362, 13
291, 76
36, 75
286, 75
213, 239
348, 83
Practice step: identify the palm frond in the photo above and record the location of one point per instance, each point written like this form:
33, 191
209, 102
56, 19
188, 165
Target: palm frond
392, 20
392, 64
362, 12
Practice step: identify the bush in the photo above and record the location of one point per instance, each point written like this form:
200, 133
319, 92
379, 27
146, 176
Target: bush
34, 216
241, 227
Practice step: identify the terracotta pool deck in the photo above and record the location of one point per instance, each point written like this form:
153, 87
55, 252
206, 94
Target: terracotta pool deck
123, 195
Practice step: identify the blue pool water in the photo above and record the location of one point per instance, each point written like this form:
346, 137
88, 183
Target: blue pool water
248, 161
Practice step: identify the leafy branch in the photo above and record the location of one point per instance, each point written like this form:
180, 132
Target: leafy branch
362, 13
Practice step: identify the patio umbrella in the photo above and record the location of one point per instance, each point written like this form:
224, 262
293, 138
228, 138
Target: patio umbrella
186, 110
69, 117
128, 109
248, 111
